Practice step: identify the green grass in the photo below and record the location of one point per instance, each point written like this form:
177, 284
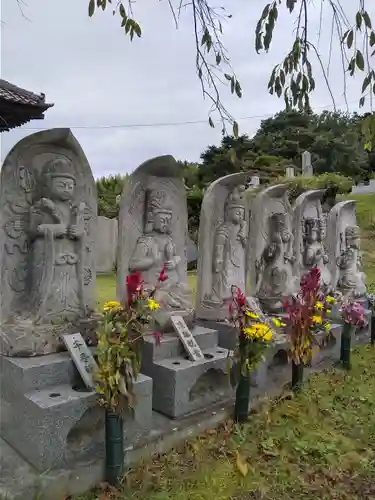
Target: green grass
106, 287
319, 444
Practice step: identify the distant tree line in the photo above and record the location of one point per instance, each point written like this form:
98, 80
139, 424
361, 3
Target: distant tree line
333, 138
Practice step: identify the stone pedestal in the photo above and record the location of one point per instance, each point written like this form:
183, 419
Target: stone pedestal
181, 386
51, 420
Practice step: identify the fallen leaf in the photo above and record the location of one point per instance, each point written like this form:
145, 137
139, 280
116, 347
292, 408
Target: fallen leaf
242, 465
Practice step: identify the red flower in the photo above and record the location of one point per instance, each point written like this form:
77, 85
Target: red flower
133, 284
241, 299
163, 275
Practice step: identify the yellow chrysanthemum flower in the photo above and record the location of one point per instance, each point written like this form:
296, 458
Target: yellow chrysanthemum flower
112, 304
252, 315
268, 336
327, 326
319, 306
153, 305
317, 319
277, 322
331, 300
249, 332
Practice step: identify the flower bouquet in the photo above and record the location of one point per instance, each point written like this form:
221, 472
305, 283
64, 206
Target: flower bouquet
254, 337
308, 314
120, 336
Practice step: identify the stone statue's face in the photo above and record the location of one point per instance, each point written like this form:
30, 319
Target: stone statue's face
235, 214
285, 235
61, 188
312, 234
162, 222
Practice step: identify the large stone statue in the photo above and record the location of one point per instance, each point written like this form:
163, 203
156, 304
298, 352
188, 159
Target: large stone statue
48, 209
271, 248
153, 234
222, 246
344, 245
310, 242
155, 250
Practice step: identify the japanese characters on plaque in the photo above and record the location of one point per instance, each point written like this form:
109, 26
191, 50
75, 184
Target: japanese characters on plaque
82, 357
187, 339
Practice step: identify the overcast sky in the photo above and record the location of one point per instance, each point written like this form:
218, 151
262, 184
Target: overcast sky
103, 85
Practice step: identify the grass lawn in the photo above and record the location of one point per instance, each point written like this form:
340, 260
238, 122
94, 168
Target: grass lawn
319, 444
106, 286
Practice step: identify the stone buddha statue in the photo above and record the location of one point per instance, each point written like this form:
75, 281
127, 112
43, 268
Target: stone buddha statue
56, 231
351, 279
314, 251
230, 239
155, 249
275, 278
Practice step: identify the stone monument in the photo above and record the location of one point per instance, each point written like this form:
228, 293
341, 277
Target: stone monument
271, 258
222, 246
310, 237
106, 245
153, 234
307, 169
344, 248
47, 226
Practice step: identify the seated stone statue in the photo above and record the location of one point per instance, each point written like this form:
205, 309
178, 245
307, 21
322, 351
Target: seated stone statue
352, 278
155, 250
275, 278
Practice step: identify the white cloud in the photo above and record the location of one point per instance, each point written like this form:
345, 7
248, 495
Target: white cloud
96, 77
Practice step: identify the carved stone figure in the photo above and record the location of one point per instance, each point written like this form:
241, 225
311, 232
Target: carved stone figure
310, 237
153, 234
48, 208
352, 278
315, 254
344, 249
271, 248
222, 246
155, 249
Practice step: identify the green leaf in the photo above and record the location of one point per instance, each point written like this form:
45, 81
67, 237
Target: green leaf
232, 84
218, 58
361, 101
137, 30
349, 40
265, 11
282, 77
235, 129
290, 5
211, 123
228, 77
91, 7
367, 20
372, 39
366, 83
360, 60
238, 89
358, 20
122, 11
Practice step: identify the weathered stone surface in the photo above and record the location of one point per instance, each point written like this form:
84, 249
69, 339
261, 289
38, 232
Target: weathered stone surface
344, 250
47, 229
271, 248
307, 169
153, 233
106, 244
310, 237
51, 420
222, 246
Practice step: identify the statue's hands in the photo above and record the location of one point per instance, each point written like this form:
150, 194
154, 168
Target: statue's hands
325, 258
169, 265
218, 266
74, 231
58, 230
47, 203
